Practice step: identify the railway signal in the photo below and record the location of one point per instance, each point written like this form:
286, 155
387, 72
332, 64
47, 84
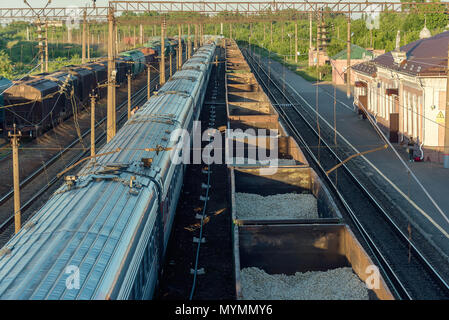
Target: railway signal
15, 136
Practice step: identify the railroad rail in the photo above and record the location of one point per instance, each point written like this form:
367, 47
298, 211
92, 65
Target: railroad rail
409, 273
138, 98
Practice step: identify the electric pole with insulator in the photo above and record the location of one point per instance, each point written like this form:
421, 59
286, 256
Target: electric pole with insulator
179, 48
93, 96
129, 95
348, 60
83, 48
15, 136
148, 81
171, 64
189, 43
111, 78
162, 59
446, 119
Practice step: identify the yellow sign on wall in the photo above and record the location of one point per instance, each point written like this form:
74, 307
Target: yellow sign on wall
440, 117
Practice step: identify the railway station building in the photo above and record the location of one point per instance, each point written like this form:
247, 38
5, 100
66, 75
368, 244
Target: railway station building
339, 63
404, 90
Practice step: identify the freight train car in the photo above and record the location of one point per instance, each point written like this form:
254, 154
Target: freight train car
138, 61
101, 77
86, 78
4, 84
36, 105
289, 239
103, 234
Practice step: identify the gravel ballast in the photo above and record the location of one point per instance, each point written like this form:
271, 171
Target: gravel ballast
286, 205
334, 284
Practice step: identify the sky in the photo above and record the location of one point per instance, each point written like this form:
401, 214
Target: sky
103, 3
54, 3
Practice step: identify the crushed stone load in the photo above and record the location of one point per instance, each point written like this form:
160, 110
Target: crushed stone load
286, 205
334, 284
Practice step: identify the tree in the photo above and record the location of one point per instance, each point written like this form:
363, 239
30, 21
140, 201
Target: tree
6, 69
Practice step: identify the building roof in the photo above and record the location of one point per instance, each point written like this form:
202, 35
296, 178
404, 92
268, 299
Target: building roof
424, 57
357, 53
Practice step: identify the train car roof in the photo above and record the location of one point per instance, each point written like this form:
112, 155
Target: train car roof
34, 89
91, 222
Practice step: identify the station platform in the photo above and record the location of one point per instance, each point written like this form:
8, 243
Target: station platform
383, 166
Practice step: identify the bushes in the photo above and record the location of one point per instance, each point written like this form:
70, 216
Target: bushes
5, 65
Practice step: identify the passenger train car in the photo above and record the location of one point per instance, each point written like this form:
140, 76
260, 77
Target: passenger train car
103, 234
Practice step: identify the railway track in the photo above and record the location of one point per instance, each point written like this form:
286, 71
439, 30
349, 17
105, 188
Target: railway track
410, 275
137, 99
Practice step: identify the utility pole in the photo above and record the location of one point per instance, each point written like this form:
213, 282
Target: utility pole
129, 94
296, 41
117, 42
41, 44
92, 123
162, 60
179, 48
250, 32
318, 27
171, 64
148, 81
69, 34
134, 37
111, 78
83, 53
46, 46
271, 33
195, 39
88, 43
310, 31
221, 28
264, 31
348, 60
446, 120
230, 30
15, 161
189, 43
141, 34
282, 32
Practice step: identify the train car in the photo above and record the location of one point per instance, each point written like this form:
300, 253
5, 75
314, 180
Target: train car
37, 106
149, 53
4, 84
101, 76
138, 61
71, 89
122, 65
104, 233
86, 79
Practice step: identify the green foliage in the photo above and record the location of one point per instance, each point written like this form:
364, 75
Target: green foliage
23, 54
5, 65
